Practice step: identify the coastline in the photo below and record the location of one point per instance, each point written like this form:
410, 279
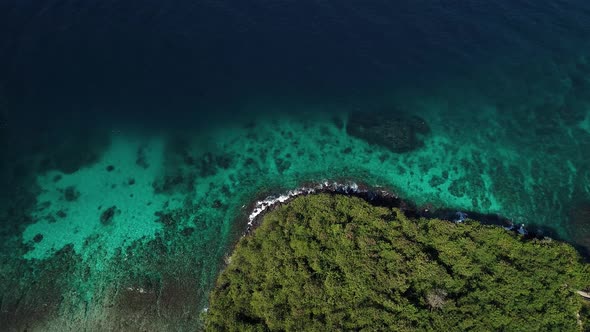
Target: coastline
387, 197
379, 196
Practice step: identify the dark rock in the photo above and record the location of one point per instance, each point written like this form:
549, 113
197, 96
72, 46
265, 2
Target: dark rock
188, 231
71, 194
168, 183
224, 161
131, 182
38, 238
165, 218
457, 188
61, 214
250, 162
225, 190
207, 166
282, 165
108, 215
436, 181
110, 168
397, 132
401, 170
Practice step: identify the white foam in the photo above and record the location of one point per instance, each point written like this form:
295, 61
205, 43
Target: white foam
270, 201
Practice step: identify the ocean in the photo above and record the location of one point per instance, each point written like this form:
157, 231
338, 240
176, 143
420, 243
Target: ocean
137, 136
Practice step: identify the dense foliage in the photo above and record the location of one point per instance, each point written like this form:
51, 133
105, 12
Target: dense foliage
331, 262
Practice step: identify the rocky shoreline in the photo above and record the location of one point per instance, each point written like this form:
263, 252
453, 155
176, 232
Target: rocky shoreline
381, 197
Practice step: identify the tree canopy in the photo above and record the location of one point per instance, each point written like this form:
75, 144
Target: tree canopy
331, 262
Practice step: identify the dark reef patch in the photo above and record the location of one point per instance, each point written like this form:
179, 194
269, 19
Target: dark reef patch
167, 219
71, 194
106, 218
188, 231
217, 204
169, 183
282, 165
38, 238
436, 181
397, 132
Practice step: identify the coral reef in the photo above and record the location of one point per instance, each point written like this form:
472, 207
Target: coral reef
397, 132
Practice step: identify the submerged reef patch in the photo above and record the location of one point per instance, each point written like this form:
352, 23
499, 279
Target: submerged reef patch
397, 132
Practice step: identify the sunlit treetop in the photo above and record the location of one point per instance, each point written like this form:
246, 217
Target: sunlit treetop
331, 262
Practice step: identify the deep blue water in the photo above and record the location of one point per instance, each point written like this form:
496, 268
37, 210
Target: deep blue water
68, 56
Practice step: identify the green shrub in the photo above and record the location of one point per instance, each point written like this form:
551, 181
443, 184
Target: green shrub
331, 262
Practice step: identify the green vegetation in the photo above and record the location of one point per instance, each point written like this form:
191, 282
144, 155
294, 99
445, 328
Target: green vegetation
331, 262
